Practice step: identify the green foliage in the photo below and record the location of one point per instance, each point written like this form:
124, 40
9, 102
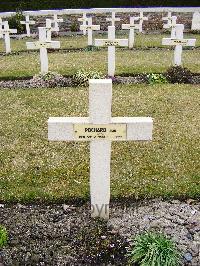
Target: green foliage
49, 79
178, 74
81, 77
74, 27
156, 78
3, 236
47, 76
154, 249
14, 22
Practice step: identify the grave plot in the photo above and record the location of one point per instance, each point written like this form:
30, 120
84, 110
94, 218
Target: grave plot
150, 174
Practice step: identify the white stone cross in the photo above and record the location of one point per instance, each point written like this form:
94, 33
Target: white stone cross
113, 19
178, 42
55, 22
196, 21
28, 22
6, 32
49, 29
43, 44
100, 128
84, 19
111, 43
141, 19
89, 28
168, 18
1, 28
131, 27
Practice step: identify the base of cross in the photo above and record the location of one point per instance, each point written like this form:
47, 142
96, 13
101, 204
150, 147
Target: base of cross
100, 128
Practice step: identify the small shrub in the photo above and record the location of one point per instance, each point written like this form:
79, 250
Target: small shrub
178, 74
49, 79
74, 27
81, 77
154, 249
156, 78
14, 22
3, 236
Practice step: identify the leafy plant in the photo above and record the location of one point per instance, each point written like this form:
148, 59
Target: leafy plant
74, 27
179, 74
49, 79
3, 236
156, 78
81, 77
154, 249
14, 22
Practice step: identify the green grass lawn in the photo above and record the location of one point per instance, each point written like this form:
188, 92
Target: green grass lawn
127, 61
31, 168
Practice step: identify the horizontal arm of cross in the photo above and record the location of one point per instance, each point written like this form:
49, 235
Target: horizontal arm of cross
128, 26
112, 19
31, 22
9, 31
183, 42
88, 27
115, 42
64, 128
38, 45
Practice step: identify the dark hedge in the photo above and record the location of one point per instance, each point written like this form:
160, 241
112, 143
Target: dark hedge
13, 5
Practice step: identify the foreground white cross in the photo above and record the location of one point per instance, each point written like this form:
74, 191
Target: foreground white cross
113, 19
28, 22
178, 42
84, 19
141, 19
131, 27
55, 22
6, 32
43, 44
168, 18
89, 28
196, 21
100, 128
111, 42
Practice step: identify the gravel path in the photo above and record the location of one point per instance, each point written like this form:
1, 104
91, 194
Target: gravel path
66, 235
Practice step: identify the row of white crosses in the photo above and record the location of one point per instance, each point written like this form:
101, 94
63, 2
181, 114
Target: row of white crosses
100, 128
178, 41
88, 27
54, 21
195, 21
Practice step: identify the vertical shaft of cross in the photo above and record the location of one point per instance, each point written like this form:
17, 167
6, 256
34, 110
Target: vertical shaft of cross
90, 31
178, 49
43, 50
100, 100
48, 29
111, 52
7, 37
173, 25
27, 27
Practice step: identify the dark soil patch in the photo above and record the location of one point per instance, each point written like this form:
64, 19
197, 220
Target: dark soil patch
67, 235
